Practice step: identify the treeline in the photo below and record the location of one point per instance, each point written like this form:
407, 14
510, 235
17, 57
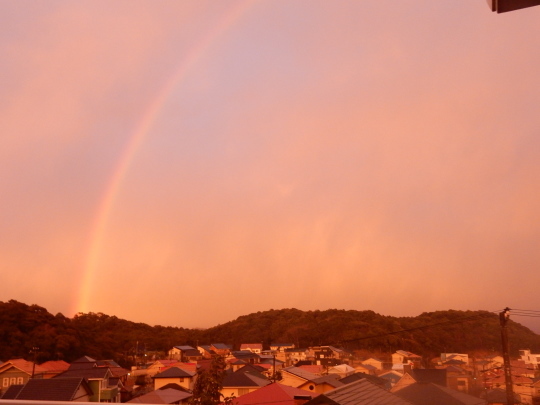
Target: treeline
101, 336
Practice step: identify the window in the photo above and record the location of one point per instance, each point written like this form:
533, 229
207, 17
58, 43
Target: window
12, 380
20, 380
243, 391
5, 382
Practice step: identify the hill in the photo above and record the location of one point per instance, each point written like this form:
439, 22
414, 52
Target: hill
103, 336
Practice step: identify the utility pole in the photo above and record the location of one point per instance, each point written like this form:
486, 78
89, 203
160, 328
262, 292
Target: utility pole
34, 350
503, 317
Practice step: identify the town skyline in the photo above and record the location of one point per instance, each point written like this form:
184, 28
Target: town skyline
188, 163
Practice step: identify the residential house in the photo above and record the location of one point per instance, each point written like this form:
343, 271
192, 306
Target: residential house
159, 365
221, 349
328, 355
184, 354
175, 375
280, 347
240, 383
295, 355
359, 392
366, 368
245, 355
105, 387
499, 396
401, 357
372, 361
521, 385
275, 394
391, 376
413, 376
252, 347
206, 351
165, 396
56, 389
321, 384
18, 372
295, 376
529, 358
341, 370
454, 357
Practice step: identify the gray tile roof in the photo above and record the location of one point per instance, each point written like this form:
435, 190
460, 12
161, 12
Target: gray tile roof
53, 389
174, 372
430, 393
359, 392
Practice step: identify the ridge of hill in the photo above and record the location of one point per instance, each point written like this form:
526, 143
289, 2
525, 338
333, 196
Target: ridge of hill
103, 336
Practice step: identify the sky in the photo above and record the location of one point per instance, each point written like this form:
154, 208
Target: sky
186, 163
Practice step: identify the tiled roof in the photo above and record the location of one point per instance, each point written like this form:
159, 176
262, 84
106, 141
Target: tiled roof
272, 394
185, 347
429, 375
55, 365
166, 396
312, 368
23, 365
374, 379
220, 346
306, 375
246, 346
244, 380
328, 379
12, 391
429, 393
174, 372
53, 389
88, 373
360, 392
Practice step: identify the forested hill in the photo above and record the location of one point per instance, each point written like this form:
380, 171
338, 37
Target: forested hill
103, 336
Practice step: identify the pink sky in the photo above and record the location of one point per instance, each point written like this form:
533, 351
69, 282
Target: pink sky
185, 163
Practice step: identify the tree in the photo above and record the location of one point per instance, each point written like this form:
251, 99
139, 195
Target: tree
207, 390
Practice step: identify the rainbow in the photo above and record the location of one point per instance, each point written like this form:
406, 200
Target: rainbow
142, 129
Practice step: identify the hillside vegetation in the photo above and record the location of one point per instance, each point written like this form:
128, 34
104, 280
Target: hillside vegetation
103, 336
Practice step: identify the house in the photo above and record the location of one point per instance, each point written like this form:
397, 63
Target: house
454, 357
391, 376
55, 389
322, 384
359, 392
165, 396
413, 376
240, 383
426, 393
294, 355
252, 347
221, 349
159, 365
529, 358
342, 370
295, 376
184, 354
175, 375
18, 372
105, 387
327, 355
365, 368
247, 356
275, 394
280, 347
401, 357
372, 361
499, 396
206, 351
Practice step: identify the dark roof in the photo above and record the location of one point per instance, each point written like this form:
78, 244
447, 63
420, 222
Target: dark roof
167, 396
429, 393
174, 372
251, 368
435, 376
359, 392
174, 387
12, 391
53, 389
191, 353
381, 382
244, 380
88, 373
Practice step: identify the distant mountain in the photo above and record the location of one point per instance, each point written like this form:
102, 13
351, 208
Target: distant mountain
103, 336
